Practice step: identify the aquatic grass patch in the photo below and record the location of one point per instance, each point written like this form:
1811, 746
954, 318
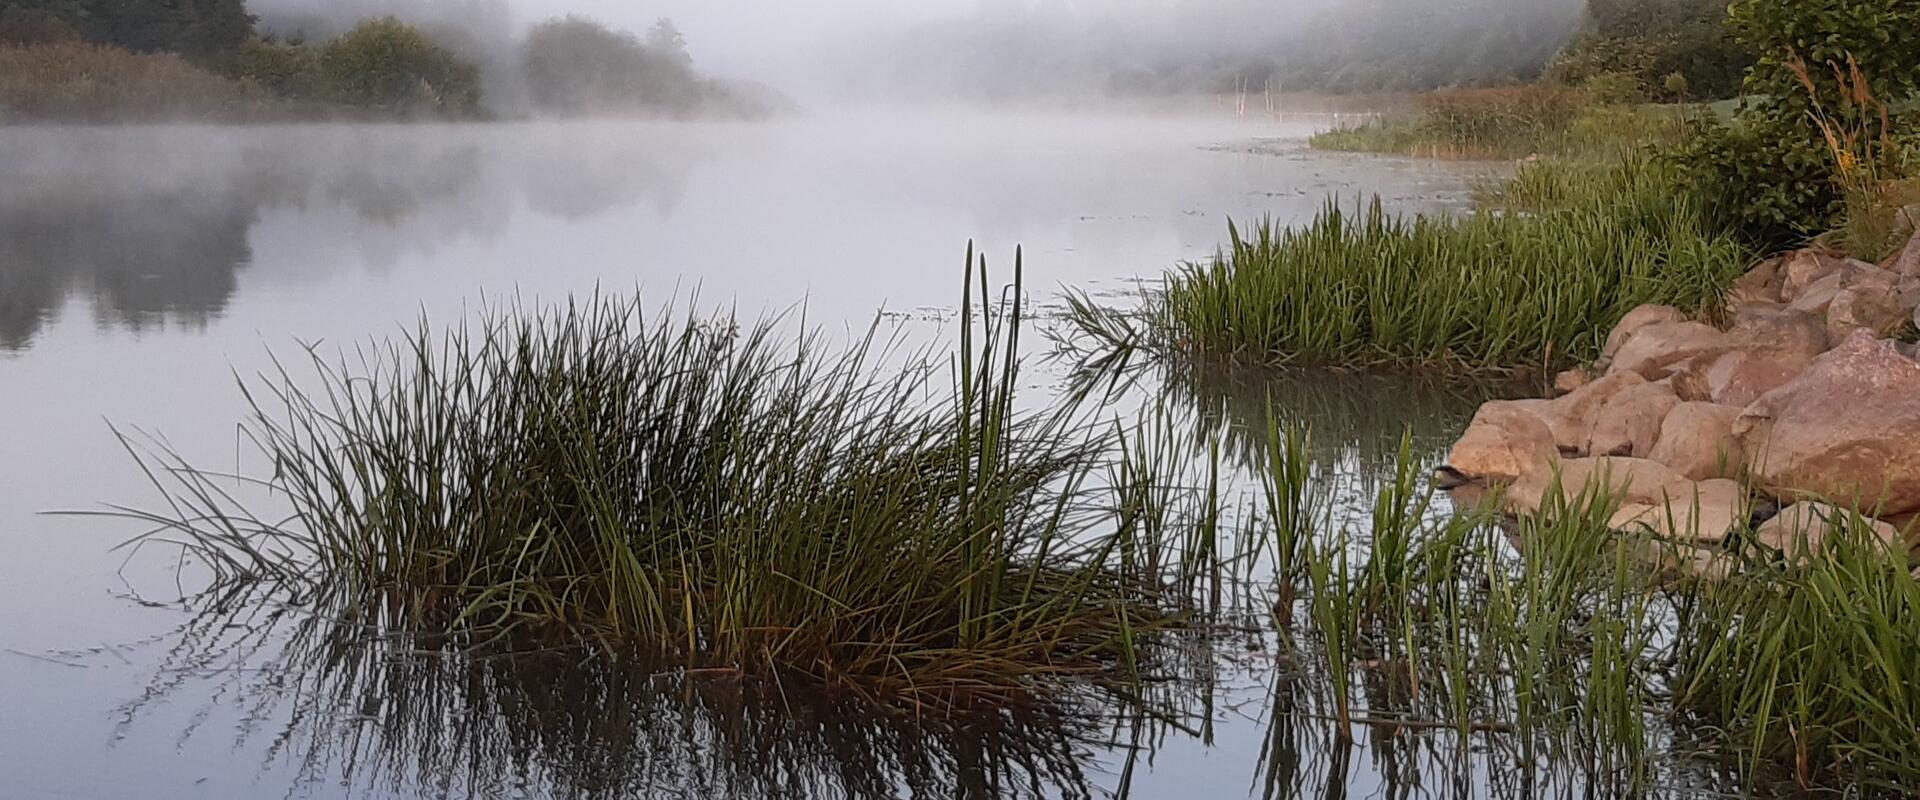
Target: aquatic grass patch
704, 490
1599, 659
1495, 124
1496, 290
1807, 666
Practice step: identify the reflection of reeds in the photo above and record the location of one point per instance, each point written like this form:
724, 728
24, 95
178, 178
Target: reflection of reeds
711, 495
387, 714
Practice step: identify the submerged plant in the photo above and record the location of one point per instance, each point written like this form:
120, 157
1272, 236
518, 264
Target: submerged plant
702, 491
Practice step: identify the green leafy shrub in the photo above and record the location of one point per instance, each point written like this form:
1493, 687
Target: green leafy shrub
1772, 171
1649, 41
288, 70
389, 65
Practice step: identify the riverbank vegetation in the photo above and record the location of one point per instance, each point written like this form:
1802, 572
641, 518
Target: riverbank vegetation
148, 60
1644, 205
1363, 287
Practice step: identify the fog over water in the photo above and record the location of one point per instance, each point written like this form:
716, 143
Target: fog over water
144, 268
871, 50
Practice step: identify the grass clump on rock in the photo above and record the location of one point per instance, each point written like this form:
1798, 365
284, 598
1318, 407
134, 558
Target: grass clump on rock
1495, 290
714, 496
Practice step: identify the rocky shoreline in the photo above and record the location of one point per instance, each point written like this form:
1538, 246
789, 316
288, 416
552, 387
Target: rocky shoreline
1796, 405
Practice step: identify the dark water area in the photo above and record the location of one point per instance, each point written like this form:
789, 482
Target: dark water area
142, 269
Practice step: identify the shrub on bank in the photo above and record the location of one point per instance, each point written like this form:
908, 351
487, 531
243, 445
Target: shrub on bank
81, 82
576, 66
391, 66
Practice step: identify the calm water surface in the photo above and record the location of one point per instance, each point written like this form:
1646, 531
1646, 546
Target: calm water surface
141, 269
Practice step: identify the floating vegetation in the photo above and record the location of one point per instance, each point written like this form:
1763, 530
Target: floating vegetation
1497, 290
709, 494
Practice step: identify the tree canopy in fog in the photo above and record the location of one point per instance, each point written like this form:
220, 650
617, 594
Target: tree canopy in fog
578, 66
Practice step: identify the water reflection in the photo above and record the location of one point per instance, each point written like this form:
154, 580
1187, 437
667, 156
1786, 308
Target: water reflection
155, 227
1357, 419
352, 708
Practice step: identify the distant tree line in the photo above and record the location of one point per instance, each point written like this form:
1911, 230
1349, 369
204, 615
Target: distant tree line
89, 58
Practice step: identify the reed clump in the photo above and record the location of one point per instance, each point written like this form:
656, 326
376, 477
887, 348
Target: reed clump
1507, 123
1496, 290
709, 493
1589, 655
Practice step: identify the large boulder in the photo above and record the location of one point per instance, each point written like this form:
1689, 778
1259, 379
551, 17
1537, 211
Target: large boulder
1770, 348
1705, 511
1697, 441
1760, 286
1625, 480
1906, 263
1648, 496
1804, 528
1505, 441
1854, 294
1629, 424
1654, 351
1803, 269
1573, 416
1635, 320
1847, 430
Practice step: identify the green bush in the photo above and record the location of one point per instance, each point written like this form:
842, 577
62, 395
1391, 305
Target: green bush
1651, 40
1771, 172
389, 65
288, 70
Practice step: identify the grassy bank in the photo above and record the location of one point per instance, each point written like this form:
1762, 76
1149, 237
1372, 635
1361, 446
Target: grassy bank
1489, 124
711, 494
1494, 290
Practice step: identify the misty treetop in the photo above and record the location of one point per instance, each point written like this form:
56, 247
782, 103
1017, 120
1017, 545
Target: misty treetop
577, 66
198, 29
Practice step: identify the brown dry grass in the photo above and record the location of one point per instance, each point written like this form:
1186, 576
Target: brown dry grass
81, 82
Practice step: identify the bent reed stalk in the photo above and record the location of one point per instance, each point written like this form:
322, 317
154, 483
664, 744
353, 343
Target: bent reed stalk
1497, 290
704, 492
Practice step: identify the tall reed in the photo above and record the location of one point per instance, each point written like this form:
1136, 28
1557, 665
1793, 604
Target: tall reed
702, 490
1495, 290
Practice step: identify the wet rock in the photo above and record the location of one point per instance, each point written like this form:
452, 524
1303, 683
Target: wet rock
1627, 480
1505, 442
1629, 423
1634, 321
1846, 430
1804, 528
1697, 441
